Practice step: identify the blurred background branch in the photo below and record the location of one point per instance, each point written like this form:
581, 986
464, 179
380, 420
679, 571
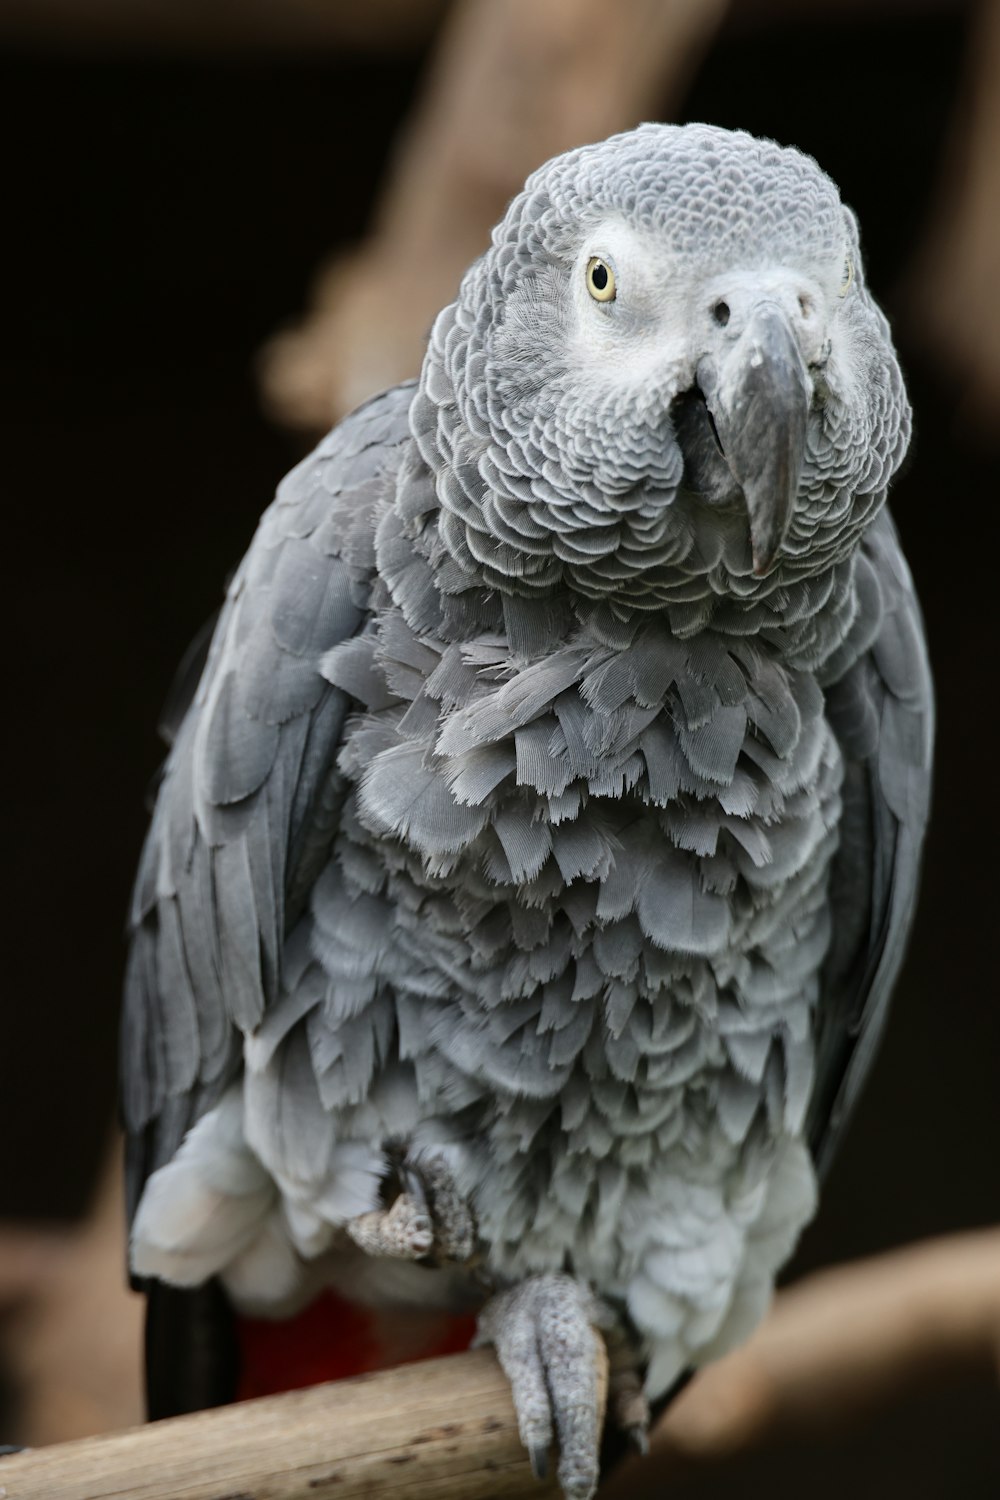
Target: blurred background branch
836, 1348
72, 1329
951, 296
195, 27
511, 84
517, 81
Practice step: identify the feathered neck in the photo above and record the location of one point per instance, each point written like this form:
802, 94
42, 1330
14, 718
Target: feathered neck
471, 520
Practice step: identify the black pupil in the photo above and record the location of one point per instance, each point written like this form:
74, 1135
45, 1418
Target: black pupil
599, 276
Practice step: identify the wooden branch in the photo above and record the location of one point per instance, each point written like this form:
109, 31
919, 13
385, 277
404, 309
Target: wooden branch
440, 1430
836, 1346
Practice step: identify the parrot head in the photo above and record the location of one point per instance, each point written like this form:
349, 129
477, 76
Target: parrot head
671, 370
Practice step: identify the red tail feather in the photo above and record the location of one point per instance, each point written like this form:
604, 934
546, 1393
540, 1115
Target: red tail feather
332, 1339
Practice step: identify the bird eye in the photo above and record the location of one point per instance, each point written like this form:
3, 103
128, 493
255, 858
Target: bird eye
847, 276
600, 280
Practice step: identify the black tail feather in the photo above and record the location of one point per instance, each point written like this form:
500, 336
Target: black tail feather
192, 1355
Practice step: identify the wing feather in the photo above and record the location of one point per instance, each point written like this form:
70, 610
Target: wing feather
249, 799
880, 706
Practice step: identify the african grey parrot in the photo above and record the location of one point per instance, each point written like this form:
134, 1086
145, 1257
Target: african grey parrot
532, 865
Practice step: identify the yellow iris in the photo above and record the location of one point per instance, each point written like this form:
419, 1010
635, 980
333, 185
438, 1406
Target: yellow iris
600, 280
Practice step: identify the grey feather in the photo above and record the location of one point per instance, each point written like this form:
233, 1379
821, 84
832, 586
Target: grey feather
226, 893
237, 751
886, 806
400, 794
675, 913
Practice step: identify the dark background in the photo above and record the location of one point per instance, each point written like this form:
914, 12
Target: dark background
160, 218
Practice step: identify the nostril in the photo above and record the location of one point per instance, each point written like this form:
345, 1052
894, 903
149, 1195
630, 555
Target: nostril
805, 306
720, 312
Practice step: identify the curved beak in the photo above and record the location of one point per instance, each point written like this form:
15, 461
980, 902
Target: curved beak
759, 397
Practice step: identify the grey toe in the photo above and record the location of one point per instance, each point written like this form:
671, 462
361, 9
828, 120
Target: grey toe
547, 1347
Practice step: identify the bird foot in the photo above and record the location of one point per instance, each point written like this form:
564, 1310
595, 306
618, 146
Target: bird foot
402, 1230
427, 1220
544, 1335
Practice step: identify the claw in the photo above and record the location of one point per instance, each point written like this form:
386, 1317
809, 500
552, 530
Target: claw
639, 1438
539, 1456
